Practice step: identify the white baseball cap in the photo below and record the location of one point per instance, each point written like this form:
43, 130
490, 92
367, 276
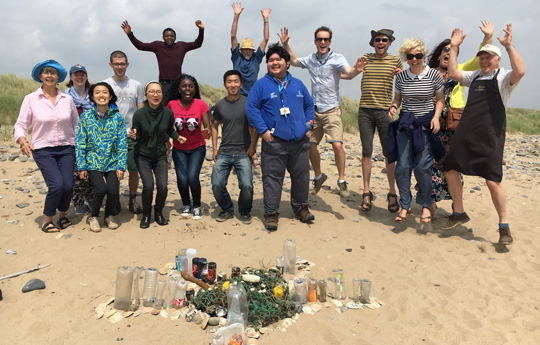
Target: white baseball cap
491, 49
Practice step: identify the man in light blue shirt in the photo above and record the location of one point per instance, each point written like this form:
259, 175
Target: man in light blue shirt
325, 68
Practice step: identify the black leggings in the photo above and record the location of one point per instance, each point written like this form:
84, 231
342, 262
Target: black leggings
105, 183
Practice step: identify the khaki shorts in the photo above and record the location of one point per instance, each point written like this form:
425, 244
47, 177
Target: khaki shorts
328, 123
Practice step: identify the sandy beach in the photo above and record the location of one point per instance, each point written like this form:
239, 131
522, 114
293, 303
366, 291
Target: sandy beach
438, 287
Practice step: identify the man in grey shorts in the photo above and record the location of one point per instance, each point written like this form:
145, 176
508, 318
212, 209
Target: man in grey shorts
376, 88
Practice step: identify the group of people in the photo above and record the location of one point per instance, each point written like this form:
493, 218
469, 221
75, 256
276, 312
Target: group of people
117, 125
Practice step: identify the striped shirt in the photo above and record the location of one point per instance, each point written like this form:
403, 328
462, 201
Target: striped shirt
376, 86
417, 91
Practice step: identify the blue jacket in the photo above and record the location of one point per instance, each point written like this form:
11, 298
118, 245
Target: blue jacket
265, 101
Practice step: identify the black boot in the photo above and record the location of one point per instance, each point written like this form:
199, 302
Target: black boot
145, 221
158, 217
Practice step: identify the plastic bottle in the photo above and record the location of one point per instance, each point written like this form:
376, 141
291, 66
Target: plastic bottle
237, 304
158, 302
136, 295
300, 290
280, 264
312, 290
289, 252
322, 290
365, 289
180, 296
171, 291
124, 282
309, 125
149, 290
339, 292
181, 259
190, 254
356, 282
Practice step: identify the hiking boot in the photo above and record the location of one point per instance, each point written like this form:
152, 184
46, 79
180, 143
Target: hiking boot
304, 215
94, 224
271, 221
343, 190
197, 213
317, 184
134, 206
455, 220
186, 211
245, 218
504, 236
223, 216
110, 223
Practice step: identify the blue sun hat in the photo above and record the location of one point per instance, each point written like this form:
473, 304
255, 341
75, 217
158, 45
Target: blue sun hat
36, 71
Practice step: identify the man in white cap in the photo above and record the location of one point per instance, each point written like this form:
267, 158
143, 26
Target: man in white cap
478, 144
245, 58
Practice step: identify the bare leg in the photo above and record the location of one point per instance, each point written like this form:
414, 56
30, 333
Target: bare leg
391, 175
339, 154
456, 189
315, 159
366, 172
498, 197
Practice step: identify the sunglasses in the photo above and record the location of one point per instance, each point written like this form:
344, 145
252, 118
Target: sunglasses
418, 56
381, 40
322, 39
446, 49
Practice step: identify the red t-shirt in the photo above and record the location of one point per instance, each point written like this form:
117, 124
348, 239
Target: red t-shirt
188, 122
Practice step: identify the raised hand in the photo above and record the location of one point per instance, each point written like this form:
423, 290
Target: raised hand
361, 64
457, 37
284, 36
237, 8
266, 13
199, 24
126, 27
487, 28
506, 41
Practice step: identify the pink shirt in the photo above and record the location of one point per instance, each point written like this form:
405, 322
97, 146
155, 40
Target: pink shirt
52, 125
188, 122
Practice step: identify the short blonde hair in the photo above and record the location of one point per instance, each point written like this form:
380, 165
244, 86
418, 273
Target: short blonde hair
410, 44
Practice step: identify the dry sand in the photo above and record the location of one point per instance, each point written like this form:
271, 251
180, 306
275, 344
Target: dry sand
439, 287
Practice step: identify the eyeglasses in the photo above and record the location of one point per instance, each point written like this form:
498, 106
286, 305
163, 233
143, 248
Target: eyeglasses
446, 49
120, 64
418, 56
381, 40
322, 39
154, 92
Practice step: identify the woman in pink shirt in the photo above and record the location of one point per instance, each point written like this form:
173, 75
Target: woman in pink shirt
190, 114
53, 118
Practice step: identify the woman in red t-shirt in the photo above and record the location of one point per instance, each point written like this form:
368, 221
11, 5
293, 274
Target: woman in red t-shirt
190, 112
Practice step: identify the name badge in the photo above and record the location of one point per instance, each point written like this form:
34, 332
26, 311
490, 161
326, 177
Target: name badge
284, 111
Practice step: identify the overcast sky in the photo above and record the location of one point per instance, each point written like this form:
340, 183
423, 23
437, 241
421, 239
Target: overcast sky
86, 32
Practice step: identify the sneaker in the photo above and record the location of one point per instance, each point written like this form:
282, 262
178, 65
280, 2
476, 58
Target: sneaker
317, 184
186, 211
343, 190
455, 220
504, 236
134, 206
304, 215
111, 223
197, 213
94, 224
223, 216
271, 221
245, 218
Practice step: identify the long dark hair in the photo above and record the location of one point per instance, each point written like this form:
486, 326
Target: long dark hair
174, 94
111, 92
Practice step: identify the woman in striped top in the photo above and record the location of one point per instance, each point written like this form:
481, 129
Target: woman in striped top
414, 131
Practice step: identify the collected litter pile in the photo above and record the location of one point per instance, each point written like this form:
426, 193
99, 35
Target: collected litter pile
257, 298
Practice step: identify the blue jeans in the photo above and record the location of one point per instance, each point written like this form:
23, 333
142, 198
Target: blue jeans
220, 176
408, 160
56, 165
188, 166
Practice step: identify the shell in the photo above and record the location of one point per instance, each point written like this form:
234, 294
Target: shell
175, 315
252, 333
127, 314
169, 266
100, 310
116, 317
164, 314
316, 307
251, 278
137, 313
337, 303
155, 312
109, 312
352, 305
263, 330
307, 309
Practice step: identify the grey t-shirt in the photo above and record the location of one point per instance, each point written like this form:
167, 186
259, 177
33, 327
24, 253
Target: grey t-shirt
129, 93
235, 132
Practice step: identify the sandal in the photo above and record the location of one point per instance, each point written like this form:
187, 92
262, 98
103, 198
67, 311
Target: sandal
392, 207
433, 210
64, 222
368, 204
400, 219
49, 227
427, 219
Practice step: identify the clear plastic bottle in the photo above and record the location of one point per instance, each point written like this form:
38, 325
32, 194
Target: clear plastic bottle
190, 254
339, 292
180, 296
171, 292
356, 282
149, 290
280, 264
158, 302
365, 289
237, 304
181, 260
136, 295
289, 252
322, 290
300, 290
124, 283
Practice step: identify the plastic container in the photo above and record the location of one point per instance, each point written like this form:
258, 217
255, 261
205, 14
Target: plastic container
180, 295
289, 253
237, 304
339, 284
190, 254
280, 264
136, 295
172, 286
365, 289
322, 290
158, 302
149, 289
312, 290
300, 290
124, 283
224, 334
356, 282
181, 260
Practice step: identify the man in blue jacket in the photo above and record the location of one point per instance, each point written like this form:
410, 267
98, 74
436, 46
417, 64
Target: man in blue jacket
281, 110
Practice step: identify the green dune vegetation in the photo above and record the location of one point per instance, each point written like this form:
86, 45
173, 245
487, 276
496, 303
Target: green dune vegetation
13, 89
